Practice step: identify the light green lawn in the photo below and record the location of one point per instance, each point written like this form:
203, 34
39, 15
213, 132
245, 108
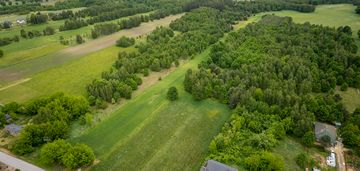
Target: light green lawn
151, 133
70, 78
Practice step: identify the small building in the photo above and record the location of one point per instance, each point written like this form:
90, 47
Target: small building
212, 165
13, 129
323, 129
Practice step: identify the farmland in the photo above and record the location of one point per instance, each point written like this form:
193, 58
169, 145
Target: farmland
28, 49
62, 61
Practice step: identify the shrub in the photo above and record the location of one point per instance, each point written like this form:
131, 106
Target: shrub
344, 87
125, 42
79, 39
49, 31
172, 94
1, 53
308, 139
52, 153
78, 156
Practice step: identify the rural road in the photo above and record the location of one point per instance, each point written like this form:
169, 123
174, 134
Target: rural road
17, 163
25, 69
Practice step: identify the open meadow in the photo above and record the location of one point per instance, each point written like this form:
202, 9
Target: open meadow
151, 133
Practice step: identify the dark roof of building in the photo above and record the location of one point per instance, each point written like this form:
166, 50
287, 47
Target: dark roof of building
212, 165
322, 129
13, 129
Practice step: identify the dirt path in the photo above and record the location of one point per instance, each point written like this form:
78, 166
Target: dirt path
339, 151
27, 68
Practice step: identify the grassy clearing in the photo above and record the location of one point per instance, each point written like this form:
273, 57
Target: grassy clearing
351, 98
289, 148
70, 78
327, 15
151, 133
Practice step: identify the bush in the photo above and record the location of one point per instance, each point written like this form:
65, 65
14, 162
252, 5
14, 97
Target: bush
172, 94
125, 42
1, 53
304, 160
308, 139
344, 87
49, 31
101, 104
265, 161
78, 156
79, 39
52, 153
146, 72
71, 156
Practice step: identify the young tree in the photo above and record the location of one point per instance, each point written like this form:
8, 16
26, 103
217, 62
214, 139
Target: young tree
79, 39
172, 94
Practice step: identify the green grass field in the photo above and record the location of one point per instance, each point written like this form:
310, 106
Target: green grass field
151, 133
70, 78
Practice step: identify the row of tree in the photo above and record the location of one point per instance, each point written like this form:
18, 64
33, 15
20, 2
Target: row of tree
26, 34
160, 51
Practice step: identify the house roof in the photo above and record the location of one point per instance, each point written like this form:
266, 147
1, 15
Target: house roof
13, 129
212, 165
322, 129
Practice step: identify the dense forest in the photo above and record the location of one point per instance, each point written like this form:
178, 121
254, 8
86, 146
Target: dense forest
271, 73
